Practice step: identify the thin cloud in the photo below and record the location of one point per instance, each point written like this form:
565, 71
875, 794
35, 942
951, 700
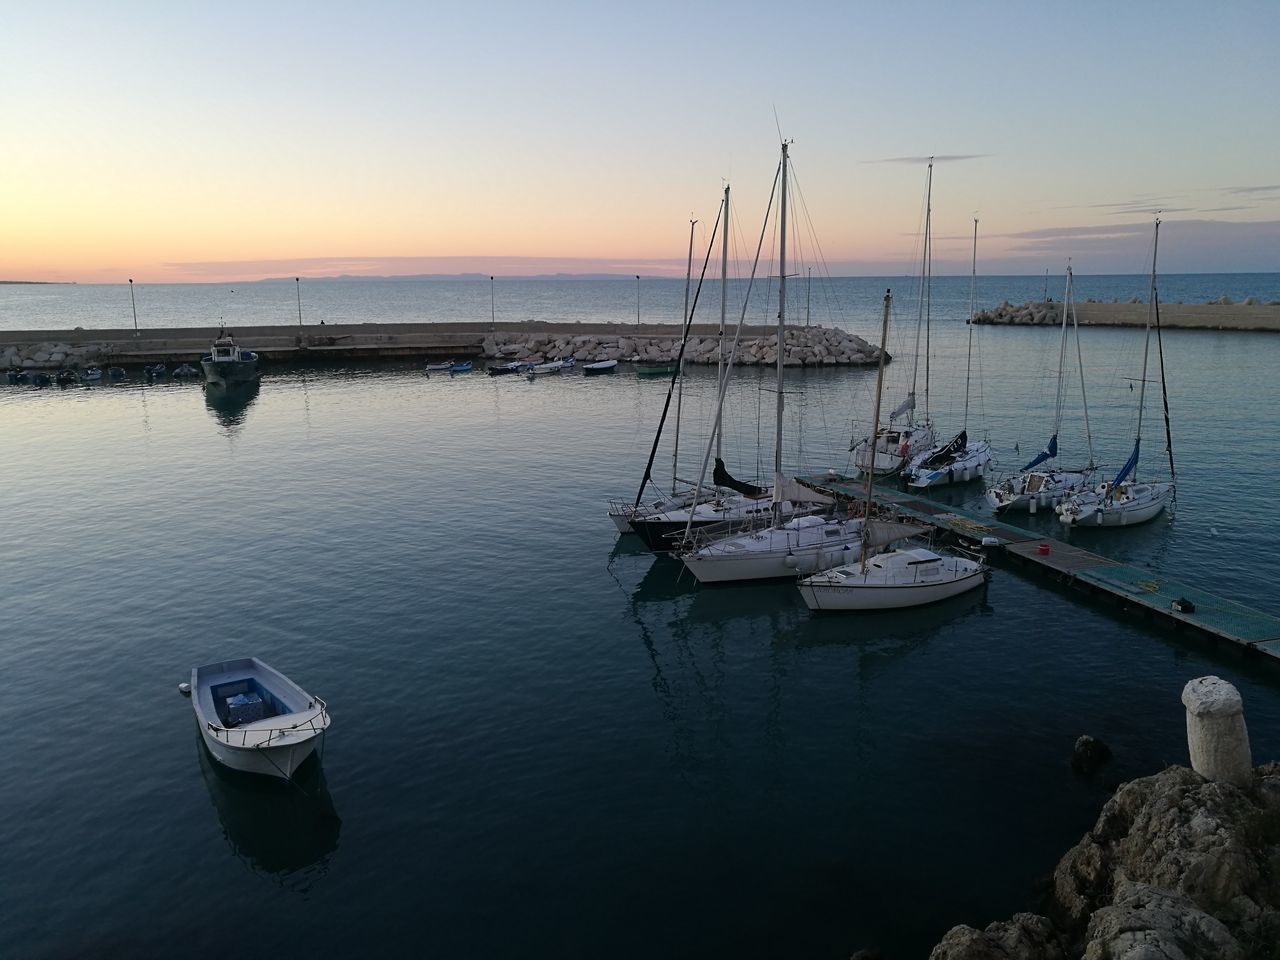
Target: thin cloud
1263, 188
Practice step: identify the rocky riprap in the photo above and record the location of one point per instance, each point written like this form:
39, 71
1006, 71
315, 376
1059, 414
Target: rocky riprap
53, 356
805, 346
1176, 868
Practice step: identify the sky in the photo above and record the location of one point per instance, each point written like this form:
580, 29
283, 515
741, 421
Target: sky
237, 141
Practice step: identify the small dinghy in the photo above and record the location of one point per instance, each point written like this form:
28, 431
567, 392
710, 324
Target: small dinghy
255, 719
66, 378
116, 373
91, 375
186, 370
156, 371
464, 366
40, 380
498, 370
439, 365
601, 366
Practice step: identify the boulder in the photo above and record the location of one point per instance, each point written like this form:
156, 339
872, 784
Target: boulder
1026, 937
1088, 755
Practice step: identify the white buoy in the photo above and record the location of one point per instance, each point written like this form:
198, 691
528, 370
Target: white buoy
184, 689
1217, 738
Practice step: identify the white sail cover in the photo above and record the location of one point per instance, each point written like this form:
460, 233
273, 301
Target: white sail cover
906, 406
785, 488
878, 533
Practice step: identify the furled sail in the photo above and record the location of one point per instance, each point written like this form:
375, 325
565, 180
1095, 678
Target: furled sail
1128, 466
1049, 451
721, 478
879, 533
948, 452
906, 406
786, 488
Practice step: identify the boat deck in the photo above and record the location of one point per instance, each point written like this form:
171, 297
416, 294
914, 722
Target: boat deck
1133, 588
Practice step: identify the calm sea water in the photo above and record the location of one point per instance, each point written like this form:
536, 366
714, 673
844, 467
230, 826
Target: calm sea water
546, 743
844, 301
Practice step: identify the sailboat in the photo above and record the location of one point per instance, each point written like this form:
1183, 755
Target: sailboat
904, 577
959, 459
898, 446
1124, 501
1031, 489
656, 523
787, 546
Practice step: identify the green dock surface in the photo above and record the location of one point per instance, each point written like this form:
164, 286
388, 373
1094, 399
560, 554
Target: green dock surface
1139, 588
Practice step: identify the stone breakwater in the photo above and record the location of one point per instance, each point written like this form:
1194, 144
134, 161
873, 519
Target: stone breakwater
52, 355
802, 347
1220, 314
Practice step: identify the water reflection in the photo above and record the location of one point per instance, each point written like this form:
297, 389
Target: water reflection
283, 832
229, 402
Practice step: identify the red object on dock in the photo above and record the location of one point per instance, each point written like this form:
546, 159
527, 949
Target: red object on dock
1043, 549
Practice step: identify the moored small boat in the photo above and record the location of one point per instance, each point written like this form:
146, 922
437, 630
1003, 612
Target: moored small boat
600, 366
439, 365
91, 375
186, 370
156, 371
228, 363
551, 366
66, 378
463, 366
655, 369
116, 373
41, 380
255, 719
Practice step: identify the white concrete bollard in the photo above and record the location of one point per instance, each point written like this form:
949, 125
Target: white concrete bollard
1216, 735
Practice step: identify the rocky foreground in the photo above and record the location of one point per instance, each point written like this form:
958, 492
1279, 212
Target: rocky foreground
1176, 868
803, 347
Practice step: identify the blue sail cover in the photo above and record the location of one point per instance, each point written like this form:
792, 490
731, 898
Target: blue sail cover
1049, 451
1128, 465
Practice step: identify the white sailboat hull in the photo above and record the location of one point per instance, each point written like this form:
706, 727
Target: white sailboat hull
894, 586
799, 548
1035, 491
972, 463
1134, 503
894, 449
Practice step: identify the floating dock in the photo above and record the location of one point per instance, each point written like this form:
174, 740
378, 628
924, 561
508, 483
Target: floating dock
1138, 589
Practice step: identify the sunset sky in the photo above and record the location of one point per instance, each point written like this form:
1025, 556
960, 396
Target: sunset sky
236, 141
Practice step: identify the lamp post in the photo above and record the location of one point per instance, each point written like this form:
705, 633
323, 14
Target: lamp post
493, 315
637, 302
135, 308
297, 283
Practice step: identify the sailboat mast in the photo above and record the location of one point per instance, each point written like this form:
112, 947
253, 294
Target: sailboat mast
724, 300
782, 318
1075, 324
675, 451
928, 281
875, 426
924, 259
1146, 345
1062, 354
1164, 389
973, 289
